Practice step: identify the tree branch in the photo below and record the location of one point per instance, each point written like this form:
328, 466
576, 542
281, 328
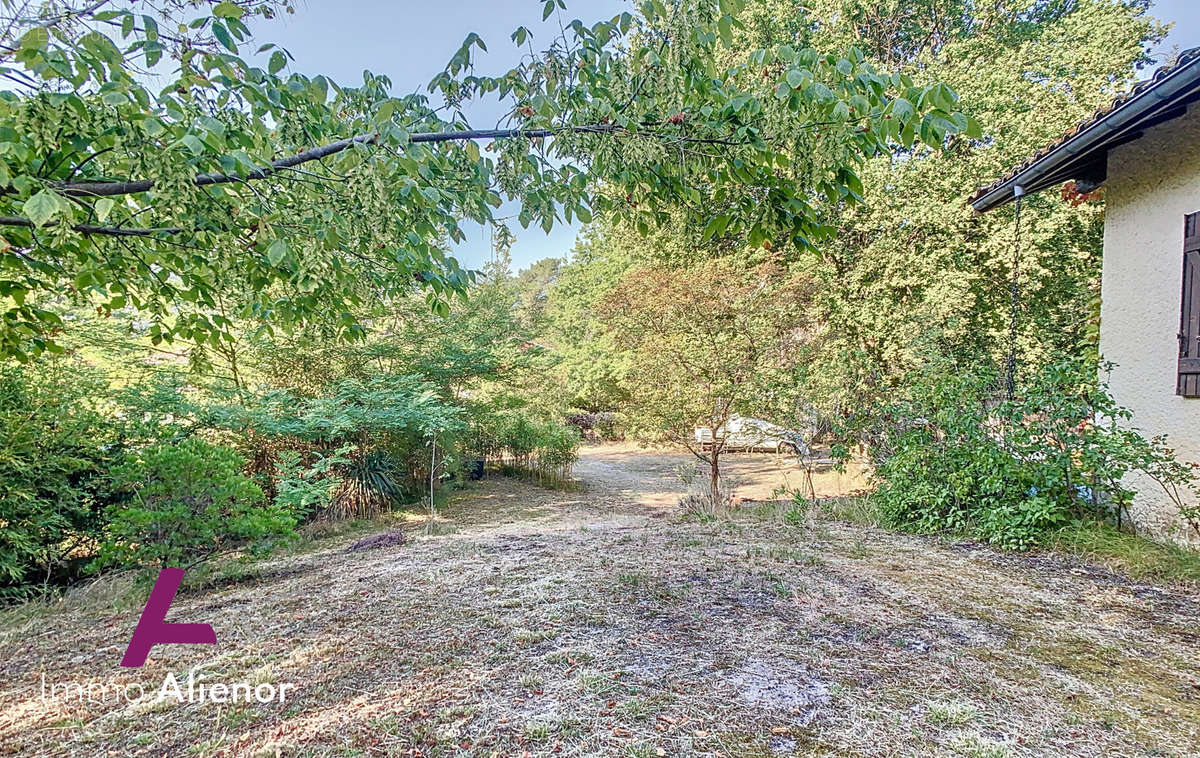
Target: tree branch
111, 231
111, 188
108, 189
114, 188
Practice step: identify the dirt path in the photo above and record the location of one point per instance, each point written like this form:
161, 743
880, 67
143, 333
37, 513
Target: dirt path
652, 478
598, 623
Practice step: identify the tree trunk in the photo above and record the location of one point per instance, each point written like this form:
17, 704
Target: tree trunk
714, 472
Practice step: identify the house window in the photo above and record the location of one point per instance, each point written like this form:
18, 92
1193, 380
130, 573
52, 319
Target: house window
1189, 319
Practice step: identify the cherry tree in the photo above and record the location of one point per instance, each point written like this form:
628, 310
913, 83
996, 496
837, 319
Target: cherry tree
155, 158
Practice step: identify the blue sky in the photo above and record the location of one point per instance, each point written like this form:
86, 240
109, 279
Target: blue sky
1186, 15
411, 41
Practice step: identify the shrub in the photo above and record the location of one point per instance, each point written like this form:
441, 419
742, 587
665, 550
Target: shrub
369, 485
593, 426
54, 442
303, 490
954, 457
522, 443
185, 503
355, 450
557, 448
609, 426
544, 448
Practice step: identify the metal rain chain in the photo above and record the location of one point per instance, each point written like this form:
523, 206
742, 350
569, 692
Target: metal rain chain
1010, 375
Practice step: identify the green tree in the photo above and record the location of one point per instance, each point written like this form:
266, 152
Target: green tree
706, 344
236, 190
916, 277
55, 443
592, 363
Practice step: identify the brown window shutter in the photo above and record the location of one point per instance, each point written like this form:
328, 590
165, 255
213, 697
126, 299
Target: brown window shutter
1189, 318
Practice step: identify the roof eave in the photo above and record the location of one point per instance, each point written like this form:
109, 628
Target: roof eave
1091, 144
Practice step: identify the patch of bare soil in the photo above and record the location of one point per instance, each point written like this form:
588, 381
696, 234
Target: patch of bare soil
653, 478
537, 622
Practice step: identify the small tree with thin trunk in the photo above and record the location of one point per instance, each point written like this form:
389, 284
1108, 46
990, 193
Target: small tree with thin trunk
706, 343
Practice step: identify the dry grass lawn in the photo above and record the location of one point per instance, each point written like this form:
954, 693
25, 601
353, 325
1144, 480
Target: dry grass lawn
539, 622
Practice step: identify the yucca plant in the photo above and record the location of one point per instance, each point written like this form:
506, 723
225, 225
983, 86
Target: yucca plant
369, 486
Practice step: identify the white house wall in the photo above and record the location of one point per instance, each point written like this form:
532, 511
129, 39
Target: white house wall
1152, 183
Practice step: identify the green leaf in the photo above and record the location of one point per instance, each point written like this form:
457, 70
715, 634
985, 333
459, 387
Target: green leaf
104, 206
193, 143
725, 29
820, 93
227, 10
222, 35
35, 39
277, 251
278, 61
319, 87
903, 110
853, 182
795, 78
973, 131
153, 52
386, 110
547, 9
43, 207
84, 279
472, 150
715, 227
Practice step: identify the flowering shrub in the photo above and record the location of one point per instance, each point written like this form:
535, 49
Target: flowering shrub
954, 457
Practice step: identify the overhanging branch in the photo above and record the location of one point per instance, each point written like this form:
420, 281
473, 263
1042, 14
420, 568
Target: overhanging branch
96, 189
109, 189
111, 231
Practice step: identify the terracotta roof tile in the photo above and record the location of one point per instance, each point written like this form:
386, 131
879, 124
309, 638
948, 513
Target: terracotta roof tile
1185, 58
